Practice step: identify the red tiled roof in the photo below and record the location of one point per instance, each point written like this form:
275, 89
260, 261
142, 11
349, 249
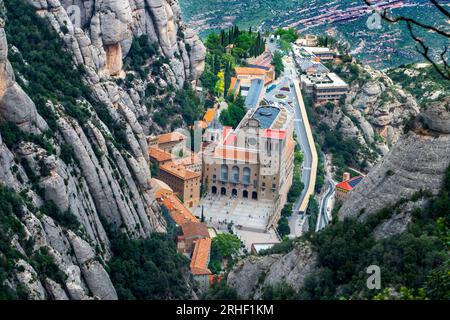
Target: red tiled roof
200, 257
209, 115
233, 84
349, 185
250, 71
170, 137
195, 229
159, 155
345, 186
179, 213
191, 228
179, 171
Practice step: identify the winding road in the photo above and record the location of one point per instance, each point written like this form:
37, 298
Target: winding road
324, 217
305, 140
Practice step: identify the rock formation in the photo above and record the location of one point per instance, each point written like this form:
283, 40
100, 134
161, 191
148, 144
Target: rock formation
103, 185
15, 105
417, 162
101, 32
251, 275
374, 113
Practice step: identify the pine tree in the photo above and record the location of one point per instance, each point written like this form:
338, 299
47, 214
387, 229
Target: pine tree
222, 38
227, 76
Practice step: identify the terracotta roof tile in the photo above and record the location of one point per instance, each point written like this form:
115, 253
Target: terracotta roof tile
250, 71
200, 257
349, 185
195, 229
179, 213
209, 115
235, 85
179, 171
171, 137
159, 155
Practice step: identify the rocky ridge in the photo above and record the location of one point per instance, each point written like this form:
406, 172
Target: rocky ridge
107, 28
251, 275
414, 168
417, 162
103, 185
374, 113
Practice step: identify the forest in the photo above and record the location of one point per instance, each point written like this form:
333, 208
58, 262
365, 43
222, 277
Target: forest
414, 264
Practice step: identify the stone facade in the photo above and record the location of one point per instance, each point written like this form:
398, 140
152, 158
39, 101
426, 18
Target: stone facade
254, 161
184, 182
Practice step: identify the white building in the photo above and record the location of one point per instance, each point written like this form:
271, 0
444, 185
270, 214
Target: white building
323, 53
324, 87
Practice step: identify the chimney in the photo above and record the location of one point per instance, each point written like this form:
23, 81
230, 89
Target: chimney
346, 176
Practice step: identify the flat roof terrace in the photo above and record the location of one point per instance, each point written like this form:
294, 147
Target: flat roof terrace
266, 116
324, 80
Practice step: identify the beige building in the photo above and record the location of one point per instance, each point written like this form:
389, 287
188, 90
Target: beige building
309, 40
194, 241
168, 141
184, 182
245, 77
255, 160
325, 87
178, 167
159, 156
192, 162
323, 53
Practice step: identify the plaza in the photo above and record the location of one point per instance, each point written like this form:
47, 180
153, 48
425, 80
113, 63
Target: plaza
248, 218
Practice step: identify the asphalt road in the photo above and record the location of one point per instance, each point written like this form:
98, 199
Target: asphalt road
287, 80
324, 215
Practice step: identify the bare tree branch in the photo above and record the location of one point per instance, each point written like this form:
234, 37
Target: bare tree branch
442, 66
444, 72
440, 8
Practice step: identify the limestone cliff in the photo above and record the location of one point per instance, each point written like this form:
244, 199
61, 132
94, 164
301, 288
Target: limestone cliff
417, 162
101, 32
15, 105
83, 171
251, 275
373, 113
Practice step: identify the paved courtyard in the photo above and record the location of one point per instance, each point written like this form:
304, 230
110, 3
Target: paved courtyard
250, 237
249, 217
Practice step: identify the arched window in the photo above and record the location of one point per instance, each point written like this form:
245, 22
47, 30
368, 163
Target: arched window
235, 174
224, 172
246, 176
